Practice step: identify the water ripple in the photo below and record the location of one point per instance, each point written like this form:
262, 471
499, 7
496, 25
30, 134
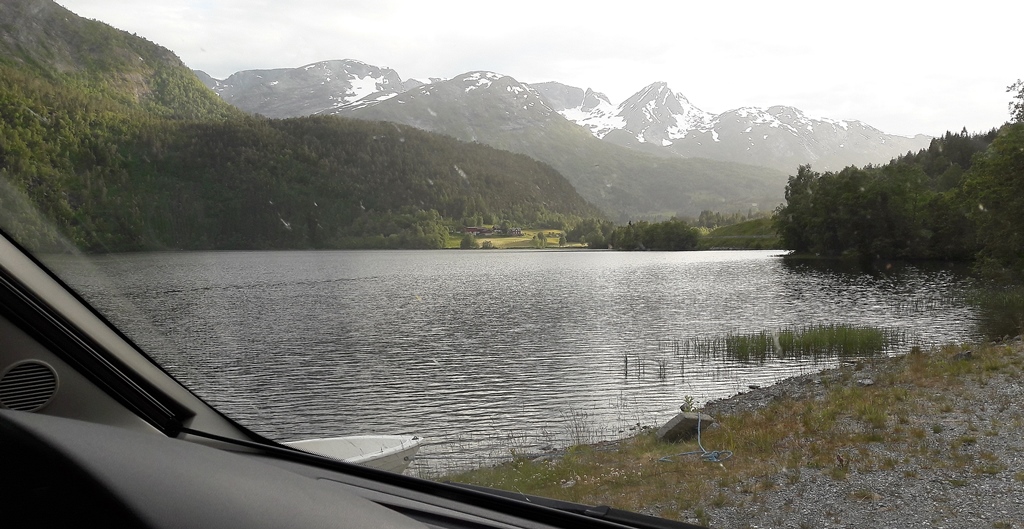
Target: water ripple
484, 353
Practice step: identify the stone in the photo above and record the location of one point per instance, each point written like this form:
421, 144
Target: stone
864, 382
684, 426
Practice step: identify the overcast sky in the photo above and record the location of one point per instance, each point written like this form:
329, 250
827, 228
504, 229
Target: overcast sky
905, 67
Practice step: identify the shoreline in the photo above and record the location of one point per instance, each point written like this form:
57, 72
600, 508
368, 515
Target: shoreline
960, 464
924, 439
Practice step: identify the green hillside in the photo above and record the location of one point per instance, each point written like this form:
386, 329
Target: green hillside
108, 67
756, 234
113, 136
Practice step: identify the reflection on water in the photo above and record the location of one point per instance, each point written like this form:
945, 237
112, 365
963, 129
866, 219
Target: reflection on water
488, 351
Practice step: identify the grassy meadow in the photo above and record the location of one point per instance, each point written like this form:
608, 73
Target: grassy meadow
756, 234
526, 240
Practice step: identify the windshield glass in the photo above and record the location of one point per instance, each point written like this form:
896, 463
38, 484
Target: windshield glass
518, 252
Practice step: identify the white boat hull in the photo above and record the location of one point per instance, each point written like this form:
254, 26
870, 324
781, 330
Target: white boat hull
385, 452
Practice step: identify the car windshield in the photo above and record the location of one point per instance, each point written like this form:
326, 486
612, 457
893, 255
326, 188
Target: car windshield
501, 243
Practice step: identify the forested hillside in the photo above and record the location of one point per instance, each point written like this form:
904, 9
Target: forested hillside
960, 199
109, 69
114, 138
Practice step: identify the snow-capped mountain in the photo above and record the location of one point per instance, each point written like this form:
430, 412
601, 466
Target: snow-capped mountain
500, 111
725, 162
786, 137
312, 89
658, 119
653, 115
471, 106
658, 115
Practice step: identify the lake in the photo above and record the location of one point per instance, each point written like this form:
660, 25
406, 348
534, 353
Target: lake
487, 352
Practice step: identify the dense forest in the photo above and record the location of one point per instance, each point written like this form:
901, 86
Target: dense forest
117, 141
670, 235
961, 199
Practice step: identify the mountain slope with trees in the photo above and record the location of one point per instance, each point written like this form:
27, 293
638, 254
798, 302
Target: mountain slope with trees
107, 65
116, 139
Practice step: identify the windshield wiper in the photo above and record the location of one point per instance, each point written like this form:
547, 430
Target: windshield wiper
601, 512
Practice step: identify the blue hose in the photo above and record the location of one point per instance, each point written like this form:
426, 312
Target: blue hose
711, 456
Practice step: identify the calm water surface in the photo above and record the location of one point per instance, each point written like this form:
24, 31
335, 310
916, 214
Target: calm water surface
485, 352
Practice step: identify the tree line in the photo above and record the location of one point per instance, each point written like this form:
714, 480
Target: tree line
961, 199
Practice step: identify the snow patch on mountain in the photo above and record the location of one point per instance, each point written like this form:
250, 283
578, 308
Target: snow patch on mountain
311, 89
477, 80
360, 87
597, 121
588, 108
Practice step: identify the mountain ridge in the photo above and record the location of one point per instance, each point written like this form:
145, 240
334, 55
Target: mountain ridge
496, 109
500, 111
657, 120
322, 86
657, 116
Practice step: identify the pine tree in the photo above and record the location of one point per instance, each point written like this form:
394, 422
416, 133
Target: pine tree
1017, 106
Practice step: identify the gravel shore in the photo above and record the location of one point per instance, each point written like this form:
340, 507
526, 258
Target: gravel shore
963, 467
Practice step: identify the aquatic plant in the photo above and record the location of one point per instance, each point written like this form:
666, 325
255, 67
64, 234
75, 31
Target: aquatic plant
841, 341
815, 341
1001, 312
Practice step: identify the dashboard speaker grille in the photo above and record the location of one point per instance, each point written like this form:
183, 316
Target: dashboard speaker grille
27, 386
